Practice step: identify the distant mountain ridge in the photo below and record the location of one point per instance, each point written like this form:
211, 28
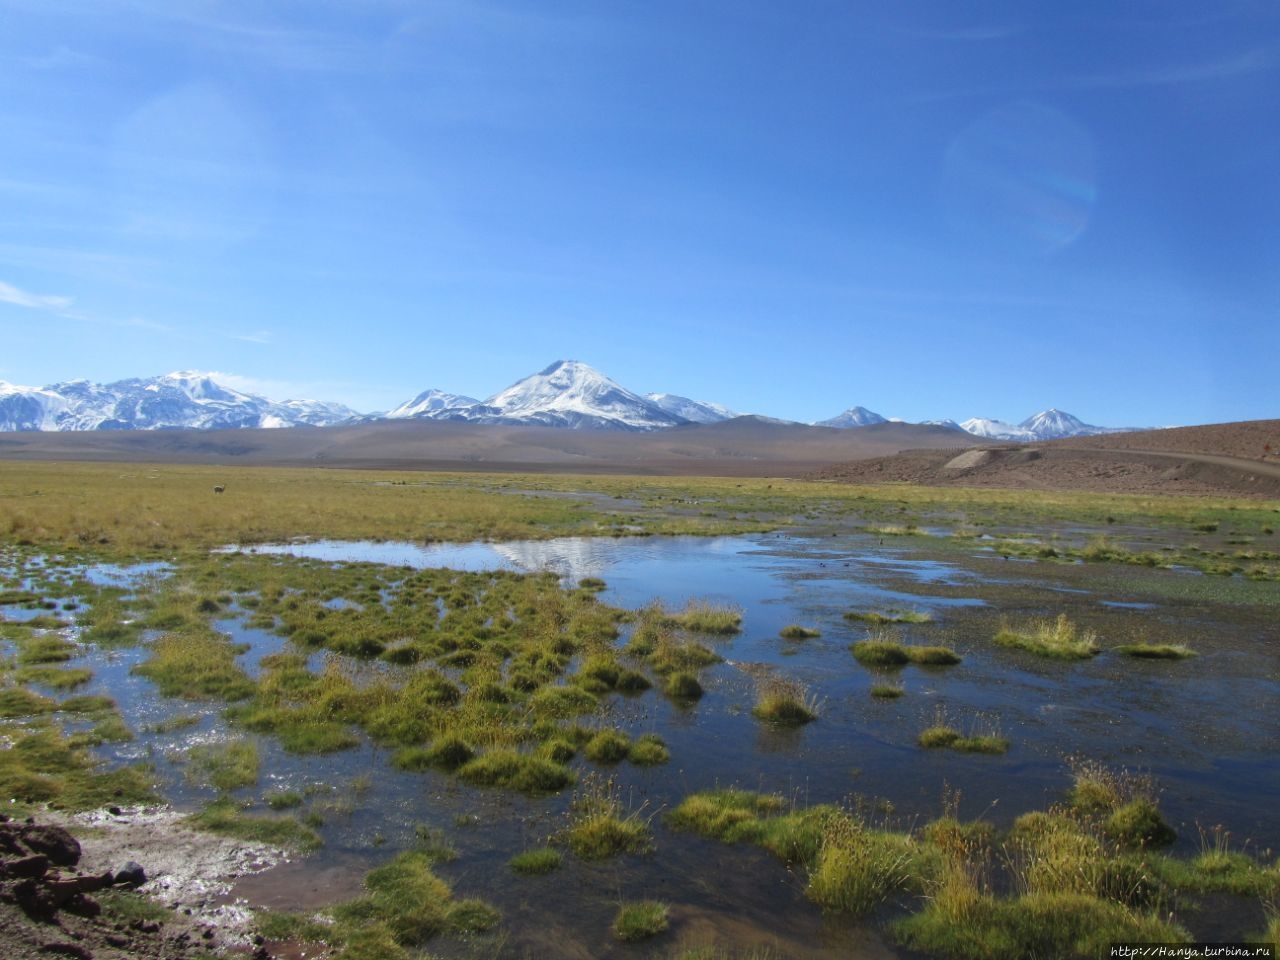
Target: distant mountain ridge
184, 400
568, 394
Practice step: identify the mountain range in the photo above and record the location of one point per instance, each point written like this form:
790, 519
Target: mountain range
568, 393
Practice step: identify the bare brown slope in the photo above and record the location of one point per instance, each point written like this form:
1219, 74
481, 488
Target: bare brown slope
746, 446
1202, 460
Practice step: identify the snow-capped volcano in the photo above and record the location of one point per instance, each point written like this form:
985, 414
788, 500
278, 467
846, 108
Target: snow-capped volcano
853, 417
431, 404
695, 411
570, 393
175, 401
1049, 424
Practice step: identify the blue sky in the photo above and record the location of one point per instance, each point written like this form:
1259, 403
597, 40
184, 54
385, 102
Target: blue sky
930, 209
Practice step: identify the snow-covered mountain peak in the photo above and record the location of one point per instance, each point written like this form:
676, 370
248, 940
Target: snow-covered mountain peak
853, 417
572, 393
185, 400
1052, 423
695, 411
431, 404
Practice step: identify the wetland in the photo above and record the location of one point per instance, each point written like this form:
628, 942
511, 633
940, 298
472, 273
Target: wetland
598, 717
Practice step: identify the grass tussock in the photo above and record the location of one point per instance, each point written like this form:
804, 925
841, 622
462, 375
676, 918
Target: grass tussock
230, 819
887, 691
942, 736
850, 866
703, 616
784, 701
601, 825
795, 631
535, 863
516, 771
196, 666
886, 651
880, 618
405, 905
641, 920
1059, 638
225, 766
41, 765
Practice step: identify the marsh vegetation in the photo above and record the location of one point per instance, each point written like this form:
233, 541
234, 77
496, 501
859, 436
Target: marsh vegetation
590, 706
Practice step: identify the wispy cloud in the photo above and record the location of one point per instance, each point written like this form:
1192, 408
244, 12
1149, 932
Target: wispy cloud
1151, 75
35, 301
1245, 64
258, 336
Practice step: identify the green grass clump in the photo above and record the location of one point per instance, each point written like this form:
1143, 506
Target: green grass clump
43, 766
1156, 651
640, 921
1124, 803
1137, 824
888, 616
505, 767
851, 867
316, 737
21, 702
229, 819
939, 735
196, 666
727, 814
226, 766
284, 799
562, 702
533, 863
971, 925
405, 905
857, 868
607, 746
794, 631
600, 826
45, 648
886, 651
887, 691
879, 652
683, 685
942, 735
649, 750
700, 616
784, 701
55, 678
1060, 639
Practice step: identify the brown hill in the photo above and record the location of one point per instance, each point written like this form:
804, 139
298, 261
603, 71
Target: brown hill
1232, 459
745, 446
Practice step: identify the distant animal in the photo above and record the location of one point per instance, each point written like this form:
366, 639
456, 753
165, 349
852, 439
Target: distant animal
218, 488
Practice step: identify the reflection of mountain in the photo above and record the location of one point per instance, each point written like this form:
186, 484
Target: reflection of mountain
570, 557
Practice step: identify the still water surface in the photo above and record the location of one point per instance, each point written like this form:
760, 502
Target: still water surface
1207, 729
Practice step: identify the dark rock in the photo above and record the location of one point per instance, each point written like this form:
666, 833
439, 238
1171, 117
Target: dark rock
92, 884
60, 847
66, 950
36, 865
114, 811
83, 906
10, 840
131, 874
34, 898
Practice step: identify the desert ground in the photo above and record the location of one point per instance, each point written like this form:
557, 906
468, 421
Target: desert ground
1237, 459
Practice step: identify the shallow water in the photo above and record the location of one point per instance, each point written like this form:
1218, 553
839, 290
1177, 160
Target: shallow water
1207, 729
